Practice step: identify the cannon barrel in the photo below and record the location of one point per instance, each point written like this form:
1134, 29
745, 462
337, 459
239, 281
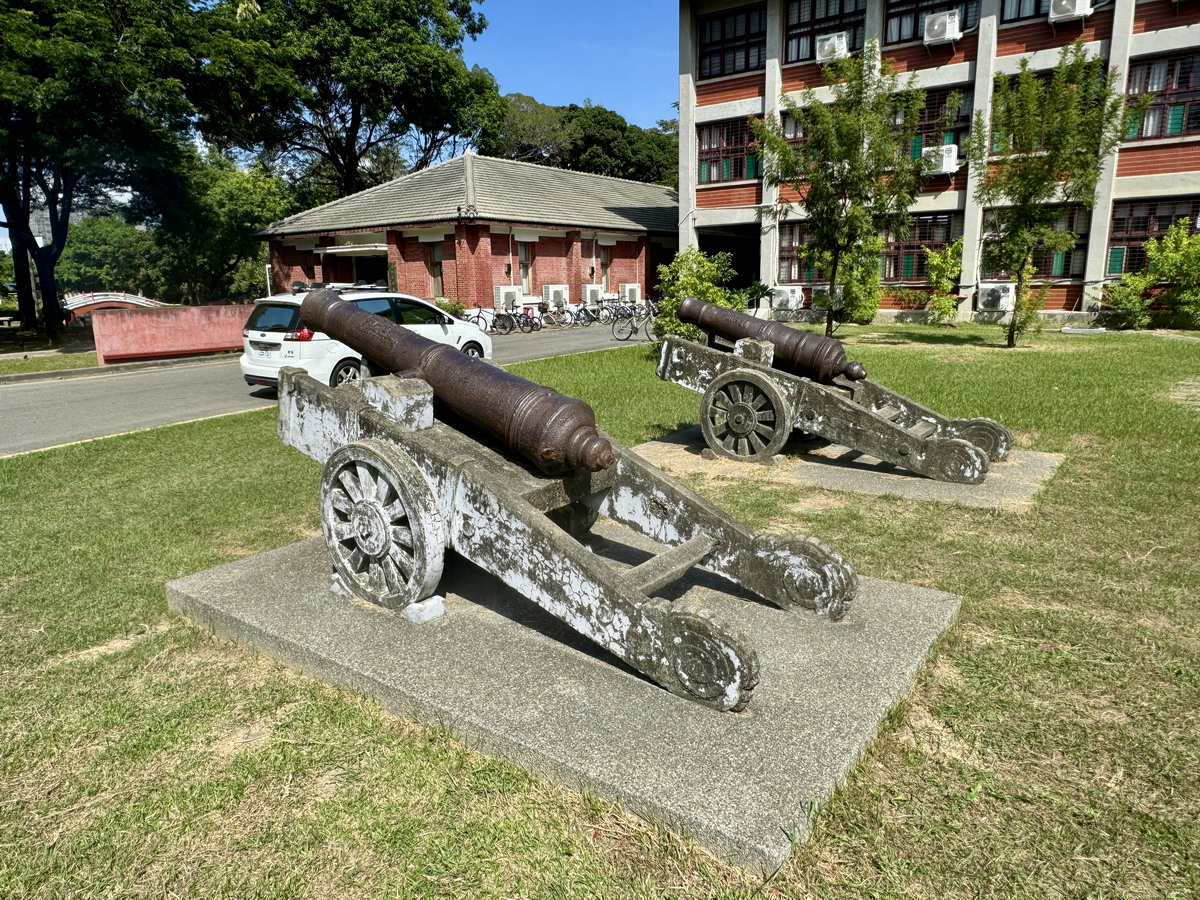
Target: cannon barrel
799, 352
554, 432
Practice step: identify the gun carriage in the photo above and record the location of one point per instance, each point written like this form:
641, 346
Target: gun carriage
775, 379
451, 453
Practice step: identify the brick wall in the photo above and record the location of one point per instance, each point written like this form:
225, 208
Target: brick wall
801, 76
1134, 160
710, 92
1040, 35
1164, 14
908, 59
747, 194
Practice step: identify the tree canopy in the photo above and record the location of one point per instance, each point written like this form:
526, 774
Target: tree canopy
1042, 150
349, 92
587, 138
852, 167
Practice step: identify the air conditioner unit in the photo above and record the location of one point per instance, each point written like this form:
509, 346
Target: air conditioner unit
506, 297
593, 294
631, 294
942, 28
997, 296
832, 46
787, 296
945, 159
556, 295
1064, 10
818, 295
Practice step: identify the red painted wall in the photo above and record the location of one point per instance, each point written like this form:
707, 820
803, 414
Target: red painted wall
126, 335
710, 92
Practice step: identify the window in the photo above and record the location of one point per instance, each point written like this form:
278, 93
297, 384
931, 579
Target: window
1174, 86
1057, 263
733, 41
905, 260
809, 19
726, 152
933, 131
1020, 10
1133, 224
605, 265
795, 263
905, 19
525, 262
410, 313
433, 262
381, 306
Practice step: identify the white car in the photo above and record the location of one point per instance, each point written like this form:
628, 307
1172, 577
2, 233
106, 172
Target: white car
275, 337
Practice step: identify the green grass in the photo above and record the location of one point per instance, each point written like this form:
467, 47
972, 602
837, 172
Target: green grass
1051, 747
52, 363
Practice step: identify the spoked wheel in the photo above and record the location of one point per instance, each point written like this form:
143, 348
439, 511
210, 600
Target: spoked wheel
382, 524
623, 328
605, 316
744, 417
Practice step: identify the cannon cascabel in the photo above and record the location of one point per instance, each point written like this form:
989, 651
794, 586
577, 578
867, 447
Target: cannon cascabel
554, 432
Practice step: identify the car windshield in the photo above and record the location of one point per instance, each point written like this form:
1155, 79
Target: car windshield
274, 317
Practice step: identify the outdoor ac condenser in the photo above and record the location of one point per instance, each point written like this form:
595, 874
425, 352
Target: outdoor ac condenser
631, 294
945, 158
506, 296
1065, 10
942, 28
832, 46
556, 296
997, 296
593, 294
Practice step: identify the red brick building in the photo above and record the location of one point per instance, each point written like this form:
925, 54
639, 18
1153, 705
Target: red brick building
469, 225
737, 58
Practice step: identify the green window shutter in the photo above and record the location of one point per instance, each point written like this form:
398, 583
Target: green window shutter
997, 141
809, 271
908, 265
1131, 130
751, 166
1175, 120
703, 171
726, 168
1116, 260
914, 149
1059, 263
947, 138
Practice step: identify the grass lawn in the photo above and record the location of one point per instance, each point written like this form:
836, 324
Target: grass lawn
1051, 747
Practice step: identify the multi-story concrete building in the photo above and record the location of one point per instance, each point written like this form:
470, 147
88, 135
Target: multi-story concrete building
737, 59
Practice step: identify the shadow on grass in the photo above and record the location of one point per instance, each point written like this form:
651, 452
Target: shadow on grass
943, 336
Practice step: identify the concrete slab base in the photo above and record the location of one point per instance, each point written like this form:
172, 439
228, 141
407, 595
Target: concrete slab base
1010, 484
514, 682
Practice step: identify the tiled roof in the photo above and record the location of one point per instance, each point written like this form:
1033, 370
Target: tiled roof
500, 190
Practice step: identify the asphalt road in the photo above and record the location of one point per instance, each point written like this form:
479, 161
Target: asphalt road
35, 415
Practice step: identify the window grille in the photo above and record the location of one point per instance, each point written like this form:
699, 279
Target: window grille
932, 131
795, 262
809, 19
725, 152
1173, 84
733, 41
904, 260
1135, 223
1050, 263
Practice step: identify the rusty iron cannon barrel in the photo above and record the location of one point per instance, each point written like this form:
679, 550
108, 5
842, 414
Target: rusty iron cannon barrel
554, 432
799, 352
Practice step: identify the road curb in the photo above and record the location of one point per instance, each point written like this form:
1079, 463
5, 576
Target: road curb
115, 369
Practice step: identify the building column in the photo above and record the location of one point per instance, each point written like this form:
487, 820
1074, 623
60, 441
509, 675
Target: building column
687, 126
985, 73
768, 240
1096, 267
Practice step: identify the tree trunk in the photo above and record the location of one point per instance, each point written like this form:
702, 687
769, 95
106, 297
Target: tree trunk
26, 299
44, 259
833, 273
1020, 300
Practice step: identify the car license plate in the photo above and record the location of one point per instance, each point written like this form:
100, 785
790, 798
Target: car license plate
262, 352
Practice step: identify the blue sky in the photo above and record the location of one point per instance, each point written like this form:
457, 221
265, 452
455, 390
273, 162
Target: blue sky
621, 54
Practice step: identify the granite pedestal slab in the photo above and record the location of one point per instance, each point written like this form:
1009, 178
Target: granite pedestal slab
512, 681
811, 462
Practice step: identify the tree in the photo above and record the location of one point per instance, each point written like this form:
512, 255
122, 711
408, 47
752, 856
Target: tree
693, 273
107, 253
89, 92
337, 81
1171, 278
853, 169
528, 131
1043, 149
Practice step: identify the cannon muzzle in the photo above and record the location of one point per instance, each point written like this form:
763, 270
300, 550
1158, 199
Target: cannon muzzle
554, 432
799, 352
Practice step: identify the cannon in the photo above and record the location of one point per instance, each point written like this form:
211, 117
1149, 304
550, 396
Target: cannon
775, 379
449, 453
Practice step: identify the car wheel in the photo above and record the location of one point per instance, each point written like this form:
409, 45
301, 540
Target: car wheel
345, 371
473, 349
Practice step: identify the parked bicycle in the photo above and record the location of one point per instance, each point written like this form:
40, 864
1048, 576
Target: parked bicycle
633, 320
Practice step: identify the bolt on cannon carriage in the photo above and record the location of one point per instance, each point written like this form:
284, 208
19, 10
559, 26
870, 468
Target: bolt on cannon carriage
775, 379
451, 453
